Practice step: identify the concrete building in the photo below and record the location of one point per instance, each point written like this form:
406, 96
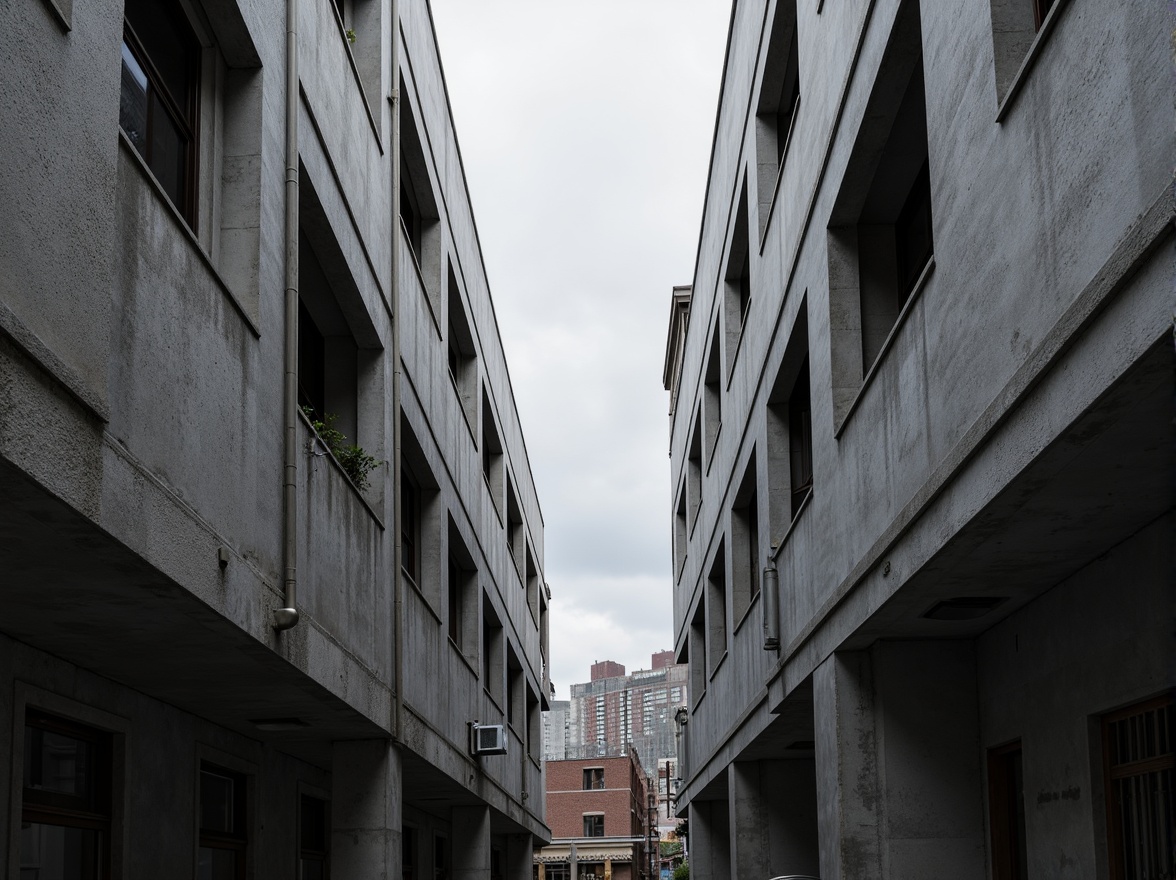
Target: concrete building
922, 445
613, 711
599, 817
227, 649
555, 730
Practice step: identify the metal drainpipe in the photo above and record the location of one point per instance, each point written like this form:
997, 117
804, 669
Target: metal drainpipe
397, 573
285, 618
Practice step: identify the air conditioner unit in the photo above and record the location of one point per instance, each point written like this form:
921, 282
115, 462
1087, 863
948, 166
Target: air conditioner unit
488, 739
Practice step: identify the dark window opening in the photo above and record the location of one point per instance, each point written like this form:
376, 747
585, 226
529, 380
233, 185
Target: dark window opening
159, 96
410, 212
491, 448
222, 825
492, 648
66, 804
440, 857
790, 432
716, 609
408, 853
1006, 809
912, 233
594, 825
460, 352
737, 281
745, 543
712, 396
314, 837
410, 526
593, 778
800, 439
779, 100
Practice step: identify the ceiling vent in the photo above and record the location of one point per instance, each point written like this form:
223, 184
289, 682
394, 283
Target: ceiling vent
963, 607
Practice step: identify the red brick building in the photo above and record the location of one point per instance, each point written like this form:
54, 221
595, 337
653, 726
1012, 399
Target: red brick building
597, 809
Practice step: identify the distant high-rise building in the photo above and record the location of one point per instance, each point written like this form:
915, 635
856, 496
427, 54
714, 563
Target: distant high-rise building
613, 711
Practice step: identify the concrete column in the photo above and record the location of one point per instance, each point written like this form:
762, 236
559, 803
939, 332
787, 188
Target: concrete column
930, 767
365, 809
898, 763
748, 821
848, 792
519, 854
790, 797
471, 843
710, 851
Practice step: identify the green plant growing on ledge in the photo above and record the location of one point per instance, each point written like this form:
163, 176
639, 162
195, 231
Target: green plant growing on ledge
354, 460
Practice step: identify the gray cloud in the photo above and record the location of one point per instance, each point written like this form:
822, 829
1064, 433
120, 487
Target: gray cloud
585, 132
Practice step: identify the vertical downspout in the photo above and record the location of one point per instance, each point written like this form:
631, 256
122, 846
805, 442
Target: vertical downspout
397, 571
285, 618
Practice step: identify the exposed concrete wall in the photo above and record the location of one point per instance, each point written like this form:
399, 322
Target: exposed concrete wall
141, 373
159, 750
1098, 641
366, 809
976, 457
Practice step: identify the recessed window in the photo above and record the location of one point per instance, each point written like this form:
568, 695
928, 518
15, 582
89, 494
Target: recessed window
779, 100
338, 345
1015, 25
460, 352
223, 838
516, 534
491, 448
680, 534
790, 431
532, 576
462, 596
440, 857
408, 853
593, 778
712, 396
745, 544
314, 837
1006, 811
1139, 766
66, 799
694, 474
736, 284
594, 825
160, 95
716, 609
419, 216
492, 651
696, 652
880, 237
515, 697
410, 526
534, 725
420, 518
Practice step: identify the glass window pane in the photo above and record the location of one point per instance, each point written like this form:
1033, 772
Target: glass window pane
169, 42
57, 762
132, 103
52, 852
168, 154
311, 869
216, 864
216, 802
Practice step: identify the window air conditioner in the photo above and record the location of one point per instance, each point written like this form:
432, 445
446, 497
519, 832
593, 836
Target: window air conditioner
488, 739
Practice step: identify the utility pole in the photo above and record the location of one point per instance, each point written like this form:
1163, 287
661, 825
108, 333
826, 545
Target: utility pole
653, 841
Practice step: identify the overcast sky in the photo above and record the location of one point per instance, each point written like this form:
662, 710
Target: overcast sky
585, 130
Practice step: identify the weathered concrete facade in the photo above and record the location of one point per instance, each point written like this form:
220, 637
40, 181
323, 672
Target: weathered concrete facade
922, 442
157, 530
